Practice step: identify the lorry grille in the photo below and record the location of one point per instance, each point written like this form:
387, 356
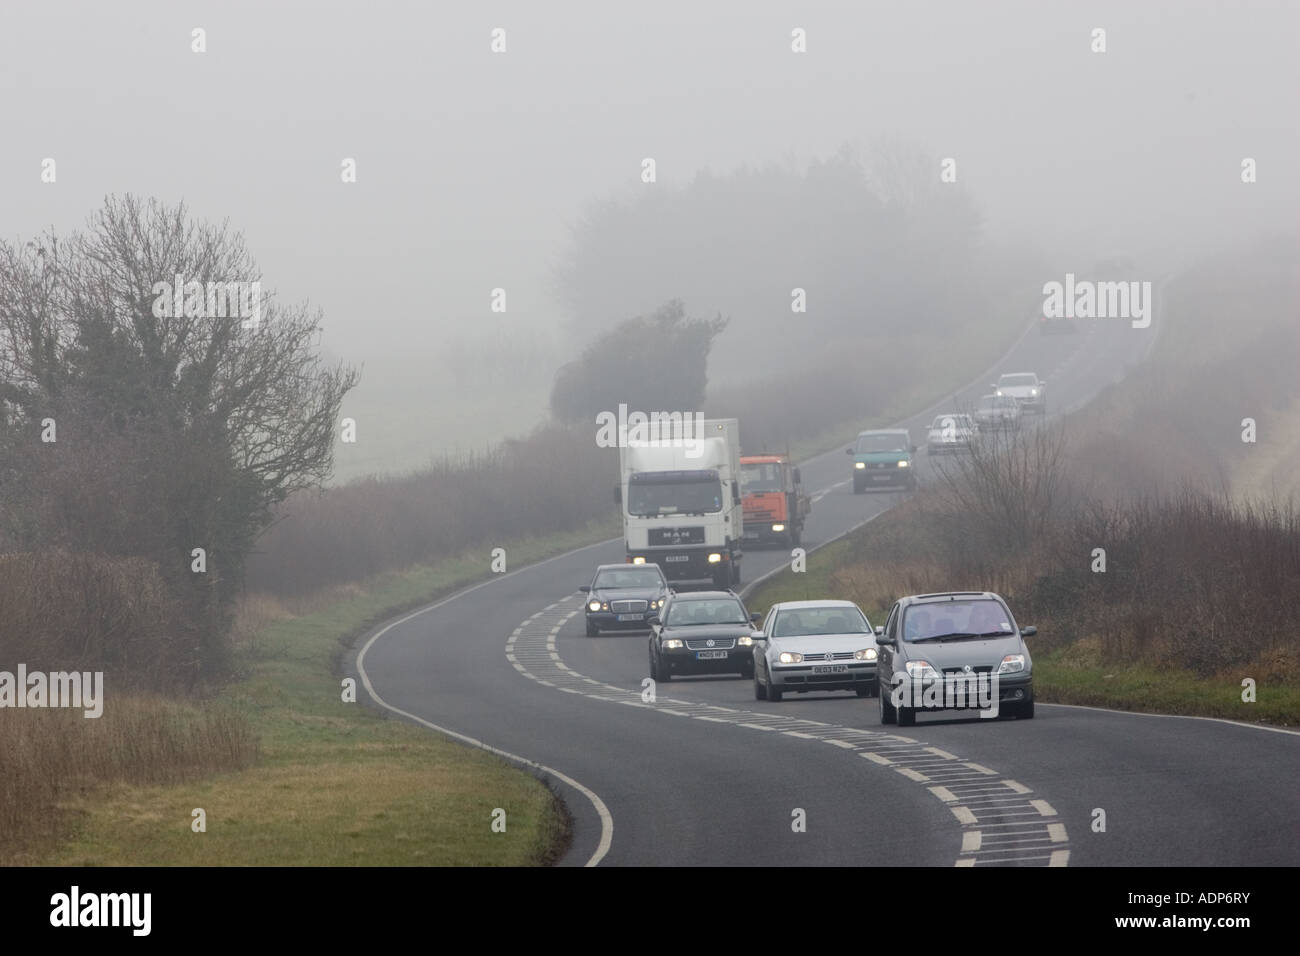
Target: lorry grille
673, 536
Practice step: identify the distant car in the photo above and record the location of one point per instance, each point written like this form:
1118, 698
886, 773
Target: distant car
949, 433
624, 597
814, 646
883, 458
701, 632
997, 413
1029, 391
953, 650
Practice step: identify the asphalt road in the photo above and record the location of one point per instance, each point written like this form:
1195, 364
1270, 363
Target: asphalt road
706, 775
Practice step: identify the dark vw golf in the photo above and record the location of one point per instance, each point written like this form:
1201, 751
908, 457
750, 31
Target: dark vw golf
702, 632
624, 597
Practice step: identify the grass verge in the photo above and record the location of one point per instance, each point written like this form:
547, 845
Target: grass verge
335, 784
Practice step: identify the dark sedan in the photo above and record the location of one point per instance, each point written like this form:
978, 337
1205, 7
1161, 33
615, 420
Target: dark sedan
624, 597
702, 632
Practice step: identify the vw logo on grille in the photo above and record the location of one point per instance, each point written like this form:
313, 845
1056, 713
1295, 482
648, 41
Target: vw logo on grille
829, 656
709, 643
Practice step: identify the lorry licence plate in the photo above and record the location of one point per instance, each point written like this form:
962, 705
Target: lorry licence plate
677, 557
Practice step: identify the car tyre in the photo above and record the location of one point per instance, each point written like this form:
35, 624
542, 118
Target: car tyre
888, 715
906, 716
592, 630
760, 692
859, 488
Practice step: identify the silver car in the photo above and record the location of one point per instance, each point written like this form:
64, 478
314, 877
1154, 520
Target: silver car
814, 646
949, 433
1029, 391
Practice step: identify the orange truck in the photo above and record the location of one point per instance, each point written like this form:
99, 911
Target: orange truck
773, 500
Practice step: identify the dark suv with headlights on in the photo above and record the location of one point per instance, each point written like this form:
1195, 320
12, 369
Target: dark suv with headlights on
624, 597
702, 632
952, 651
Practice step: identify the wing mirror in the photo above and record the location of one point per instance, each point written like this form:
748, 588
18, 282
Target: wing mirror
1028, 631
848, 451
653, 619
755, 616
585, 589
880, 629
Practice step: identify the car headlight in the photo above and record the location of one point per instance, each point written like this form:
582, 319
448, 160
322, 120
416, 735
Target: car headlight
859, 464
745, 640
638, 560
778, 527
1012, 664
656, 604
673, 644
998, 393
593, 606
904, 464
866, 654
790, 657
1033, 391
921, 670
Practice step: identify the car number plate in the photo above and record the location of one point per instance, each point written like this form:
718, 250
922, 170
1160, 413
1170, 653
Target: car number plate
830, 668
630, 617
710, 655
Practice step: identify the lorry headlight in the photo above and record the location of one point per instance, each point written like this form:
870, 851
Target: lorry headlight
638, 560
672, 644
790, 657
1012, 664
859, 464
593, 606
714, 558
866, 654
778, 527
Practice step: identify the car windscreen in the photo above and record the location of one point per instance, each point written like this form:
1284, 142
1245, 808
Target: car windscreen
1017, 381
981, 617
628, 578
801, 622
760, 478
881, 442
696, 496
706, 611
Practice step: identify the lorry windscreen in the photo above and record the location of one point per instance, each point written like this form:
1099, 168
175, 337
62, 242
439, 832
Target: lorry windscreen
760, 478
647, 497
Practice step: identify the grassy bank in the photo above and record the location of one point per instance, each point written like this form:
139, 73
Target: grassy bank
334, 784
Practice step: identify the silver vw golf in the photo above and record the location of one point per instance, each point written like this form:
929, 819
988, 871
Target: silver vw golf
814, 646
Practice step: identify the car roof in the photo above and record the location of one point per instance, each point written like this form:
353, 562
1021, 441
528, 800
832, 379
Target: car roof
787, 605
702, 595
883, 431
1009, 374
940, 597
626, 566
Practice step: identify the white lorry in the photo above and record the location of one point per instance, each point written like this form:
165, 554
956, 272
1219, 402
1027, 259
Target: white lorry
681, 502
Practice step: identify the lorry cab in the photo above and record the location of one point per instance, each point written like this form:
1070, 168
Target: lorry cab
774, 503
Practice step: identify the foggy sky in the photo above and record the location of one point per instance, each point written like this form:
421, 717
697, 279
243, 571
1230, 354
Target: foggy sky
472, 166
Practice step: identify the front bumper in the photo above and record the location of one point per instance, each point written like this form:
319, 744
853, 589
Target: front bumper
892, 477
1012, 689
609, 621
802, 677
686, 660
690, 566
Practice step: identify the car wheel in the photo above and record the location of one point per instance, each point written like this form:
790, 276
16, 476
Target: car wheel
1024, 710
859, 488
906, 716
665, 672
760, 692
774, 692
887, 713
592, 630
654, 667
